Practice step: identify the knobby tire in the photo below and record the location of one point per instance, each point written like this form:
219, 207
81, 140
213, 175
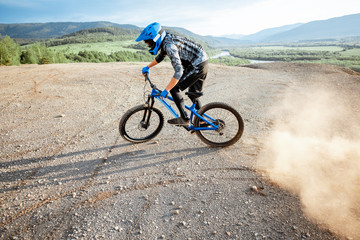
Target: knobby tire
130, 124
231, 121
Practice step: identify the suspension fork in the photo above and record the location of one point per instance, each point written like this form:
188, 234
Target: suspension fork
145, 122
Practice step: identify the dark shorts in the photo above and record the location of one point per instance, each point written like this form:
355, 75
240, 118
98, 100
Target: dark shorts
194, 76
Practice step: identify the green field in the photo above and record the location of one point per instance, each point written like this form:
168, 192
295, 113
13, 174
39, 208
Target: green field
118, 45
336, 55
333, 49
104, 47
340, 55
301, 48
351, 52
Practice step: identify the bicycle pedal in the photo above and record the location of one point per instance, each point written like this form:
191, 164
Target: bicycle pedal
186, 127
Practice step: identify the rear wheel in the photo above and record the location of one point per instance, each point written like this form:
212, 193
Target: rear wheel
140, 124
229, 122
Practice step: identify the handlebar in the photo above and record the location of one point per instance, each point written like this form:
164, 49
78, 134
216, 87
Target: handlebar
153, 86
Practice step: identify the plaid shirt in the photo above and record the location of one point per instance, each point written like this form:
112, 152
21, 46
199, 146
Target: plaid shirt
182, 52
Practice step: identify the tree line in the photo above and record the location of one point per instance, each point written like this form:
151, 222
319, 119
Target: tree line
10, 52
37, 53
93, 35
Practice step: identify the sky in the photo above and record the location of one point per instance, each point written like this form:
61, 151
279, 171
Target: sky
204, 17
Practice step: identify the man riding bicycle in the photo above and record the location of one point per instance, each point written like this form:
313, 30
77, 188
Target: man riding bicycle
188, 59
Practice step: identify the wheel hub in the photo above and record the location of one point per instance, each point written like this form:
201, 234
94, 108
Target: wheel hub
143, 126
221, 124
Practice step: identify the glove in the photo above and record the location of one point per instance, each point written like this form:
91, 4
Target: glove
164, 94
146, 70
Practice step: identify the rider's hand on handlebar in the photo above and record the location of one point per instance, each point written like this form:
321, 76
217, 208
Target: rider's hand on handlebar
145, 70
164, 94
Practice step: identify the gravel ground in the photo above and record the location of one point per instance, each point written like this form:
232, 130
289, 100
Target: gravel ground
67, 174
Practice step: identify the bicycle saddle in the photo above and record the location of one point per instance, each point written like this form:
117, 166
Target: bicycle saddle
194, 94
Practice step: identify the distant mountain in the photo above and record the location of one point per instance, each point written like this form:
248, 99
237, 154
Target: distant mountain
334, 28
233, 36
182, 31
264, 34
211, 40
53, 30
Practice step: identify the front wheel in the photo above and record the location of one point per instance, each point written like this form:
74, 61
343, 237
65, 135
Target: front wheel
141, 123
227, 119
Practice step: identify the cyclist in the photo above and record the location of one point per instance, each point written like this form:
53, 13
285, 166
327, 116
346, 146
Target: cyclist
188, 59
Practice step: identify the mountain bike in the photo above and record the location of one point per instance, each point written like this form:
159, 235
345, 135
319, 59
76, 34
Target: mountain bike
216, 124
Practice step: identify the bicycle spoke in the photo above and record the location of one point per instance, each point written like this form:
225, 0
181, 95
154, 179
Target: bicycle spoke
229, 123
133, 128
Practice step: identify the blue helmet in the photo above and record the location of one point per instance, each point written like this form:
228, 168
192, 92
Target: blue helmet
153, 35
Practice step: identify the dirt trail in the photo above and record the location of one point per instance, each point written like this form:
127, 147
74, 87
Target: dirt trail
66, 173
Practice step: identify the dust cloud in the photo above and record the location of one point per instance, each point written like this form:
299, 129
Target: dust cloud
314, 152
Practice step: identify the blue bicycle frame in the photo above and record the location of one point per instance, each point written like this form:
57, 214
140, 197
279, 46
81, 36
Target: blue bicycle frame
206, 118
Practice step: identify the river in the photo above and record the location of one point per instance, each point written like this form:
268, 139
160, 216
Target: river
226, 53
